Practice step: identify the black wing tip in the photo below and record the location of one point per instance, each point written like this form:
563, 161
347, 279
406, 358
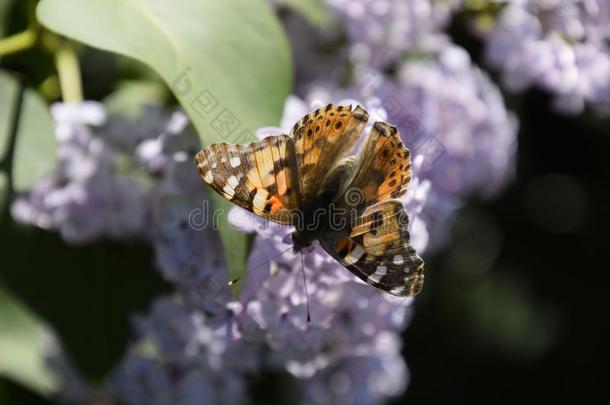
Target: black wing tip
360, 113
385, 129
200, 156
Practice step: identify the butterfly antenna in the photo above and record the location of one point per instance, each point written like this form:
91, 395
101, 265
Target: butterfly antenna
238, 278
235, 280
305, 284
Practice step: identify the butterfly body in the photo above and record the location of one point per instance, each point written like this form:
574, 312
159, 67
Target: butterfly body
316, 219
348, 203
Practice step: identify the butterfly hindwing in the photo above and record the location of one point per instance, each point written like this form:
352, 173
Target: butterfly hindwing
257, 176
378, 249
322, 138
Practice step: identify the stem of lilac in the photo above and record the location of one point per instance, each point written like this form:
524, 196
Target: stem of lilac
68, 69
19, 42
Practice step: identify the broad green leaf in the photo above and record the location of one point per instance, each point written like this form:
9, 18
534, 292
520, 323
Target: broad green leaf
35, 144
227, 61
315, 11
35, 147
21, 346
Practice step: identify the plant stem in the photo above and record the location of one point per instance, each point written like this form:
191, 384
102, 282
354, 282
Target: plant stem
19, 42
68, 69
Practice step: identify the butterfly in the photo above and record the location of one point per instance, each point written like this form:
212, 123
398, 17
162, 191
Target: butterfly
349, 203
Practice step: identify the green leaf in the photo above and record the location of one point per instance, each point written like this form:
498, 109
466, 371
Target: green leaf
35, 145
315, 11
21, 346
227, 61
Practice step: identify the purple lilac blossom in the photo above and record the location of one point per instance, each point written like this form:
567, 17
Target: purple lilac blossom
381, 31
362, 377
182, 359
450, 113
348, 319
179, 211
87, 196
562, 46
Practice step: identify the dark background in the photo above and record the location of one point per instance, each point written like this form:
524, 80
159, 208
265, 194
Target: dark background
553, 224
513, 308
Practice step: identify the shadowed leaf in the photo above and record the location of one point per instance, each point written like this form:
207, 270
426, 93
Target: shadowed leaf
21, 349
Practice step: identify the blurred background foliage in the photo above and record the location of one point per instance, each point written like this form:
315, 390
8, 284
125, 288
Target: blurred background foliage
512, 309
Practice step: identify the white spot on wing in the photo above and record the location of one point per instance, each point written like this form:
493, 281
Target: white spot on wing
377, 275
398, 259
398, 290
213, 159
235, 161
229, 191
354, 255
260, 198
233, 182
208, 178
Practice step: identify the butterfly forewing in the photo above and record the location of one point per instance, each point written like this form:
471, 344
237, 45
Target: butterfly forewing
322, 138
255, 176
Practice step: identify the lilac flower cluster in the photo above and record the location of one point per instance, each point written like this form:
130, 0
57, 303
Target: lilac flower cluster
381, 31
562, 46
85, 181
184, 357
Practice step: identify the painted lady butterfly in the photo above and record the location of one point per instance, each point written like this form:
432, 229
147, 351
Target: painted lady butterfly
348, 203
